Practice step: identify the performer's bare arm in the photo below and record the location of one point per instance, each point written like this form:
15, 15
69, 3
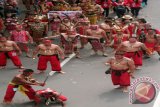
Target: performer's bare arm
59, 50
24, 82
131, 65
109, 61
146, 49
90, 37
29, 36
17, 48
104, 36
46, 28
36, 51
51, 37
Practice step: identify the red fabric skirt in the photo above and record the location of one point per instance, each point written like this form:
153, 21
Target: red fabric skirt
136, 56
123, 79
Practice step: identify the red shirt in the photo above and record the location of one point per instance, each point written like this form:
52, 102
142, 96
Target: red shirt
133, 4
106, 4
119, 3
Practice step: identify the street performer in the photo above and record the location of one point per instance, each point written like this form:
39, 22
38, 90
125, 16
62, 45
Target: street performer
22, 38
151, 41
9, 49
134, 50
119, 37
48, 52
100, 34
22, 82
122, 69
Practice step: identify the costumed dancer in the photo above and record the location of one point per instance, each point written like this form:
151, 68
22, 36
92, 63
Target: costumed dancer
134, 50
48, 52
119, 37
9, 49
121, 69
81, 29
38, 29
22, 38
22, 82
98, 40
151, 41
55, 22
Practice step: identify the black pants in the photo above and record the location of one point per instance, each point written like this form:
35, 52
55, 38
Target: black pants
135, 11
120, 12
106, 12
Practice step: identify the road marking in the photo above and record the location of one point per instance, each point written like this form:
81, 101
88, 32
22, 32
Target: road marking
67, 60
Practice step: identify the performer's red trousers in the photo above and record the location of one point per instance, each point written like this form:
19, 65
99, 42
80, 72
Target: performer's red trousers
30, 93
136, 56
53, 59
12, 55
123, 79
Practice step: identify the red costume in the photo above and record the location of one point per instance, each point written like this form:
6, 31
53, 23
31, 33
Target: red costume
55, 25
117, 41
10, 24
69, 44
53, 59
20, 37
1, 24
49, 93
133, 4
106, 4
150, 46
96, 44
12, 55
81, 31
26, 89
136, 56
120, 77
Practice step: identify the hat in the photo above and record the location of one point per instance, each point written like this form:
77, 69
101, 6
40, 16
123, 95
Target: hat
127, 17
120, 53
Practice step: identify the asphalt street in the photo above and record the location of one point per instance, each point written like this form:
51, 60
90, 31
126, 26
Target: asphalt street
85, 83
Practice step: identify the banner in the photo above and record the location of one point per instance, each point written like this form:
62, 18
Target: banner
63, 14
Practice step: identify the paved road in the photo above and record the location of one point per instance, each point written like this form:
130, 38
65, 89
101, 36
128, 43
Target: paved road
85, 83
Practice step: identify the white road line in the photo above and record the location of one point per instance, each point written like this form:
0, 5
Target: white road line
157, 101
67, 60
